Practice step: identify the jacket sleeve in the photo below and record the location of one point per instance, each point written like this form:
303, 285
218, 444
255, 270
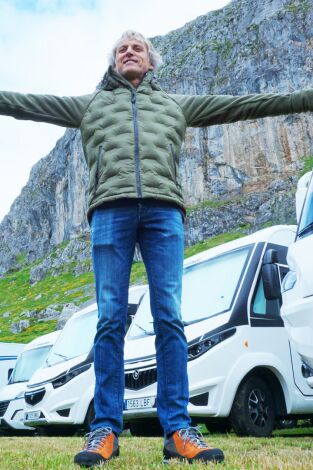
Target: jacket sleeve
201, 111
62, 111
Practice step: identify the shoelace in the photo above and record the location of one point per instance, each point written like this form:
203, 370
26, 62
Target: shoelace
192, 435
94, 438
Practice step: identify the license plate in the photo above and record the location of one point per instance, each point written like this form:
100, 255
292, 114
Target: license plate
32, 415
139, 403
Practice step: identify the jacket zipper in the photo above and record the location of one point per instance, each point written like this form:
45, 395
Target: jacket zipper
136, 137
100, 154
174, 159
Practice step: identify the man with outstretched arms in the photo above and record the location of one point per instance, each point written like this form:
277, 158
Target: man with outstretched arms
132, 132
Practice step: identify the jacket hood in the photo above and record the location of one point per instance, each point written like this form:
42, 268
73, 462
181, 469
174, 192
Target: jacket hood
112, 80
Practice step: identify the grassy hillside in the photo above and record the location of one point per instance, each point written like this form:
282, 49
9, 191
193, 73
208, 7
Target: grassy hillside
18, 295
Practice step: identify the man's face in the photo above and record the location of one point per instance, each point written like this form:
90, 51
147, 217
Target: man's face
132, 60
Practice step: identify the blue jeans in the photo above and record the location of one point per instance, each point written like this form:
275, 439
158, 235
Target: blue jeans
159, 231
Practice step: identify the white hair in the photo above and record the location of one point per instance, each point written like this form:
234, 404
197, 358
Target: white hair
154, 56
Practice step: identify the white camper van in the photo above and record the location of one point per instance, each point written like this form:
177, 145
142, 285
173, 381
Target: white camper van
60, 394
12, 402
8, 356
242, 367
297, 287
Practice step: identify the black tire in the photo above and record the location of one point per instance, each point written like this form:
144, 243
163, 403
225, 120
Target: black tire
148, 427
253, 412
89, 417
218, 425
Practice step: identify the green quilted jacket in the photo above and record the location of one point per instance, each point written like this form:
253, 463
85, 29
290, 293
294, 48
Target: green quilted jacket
132, 137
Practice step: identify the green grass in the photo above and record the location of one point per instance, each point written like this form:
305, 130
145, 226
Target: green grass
214, 204
286, 450
214, 241
17, 295
296, 7
222, 48
307, 165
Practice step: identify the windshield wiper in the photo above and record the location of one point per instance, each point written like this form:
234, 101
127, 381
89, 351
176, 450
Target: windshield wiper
197, 320
307, 229
149, 333
61, 355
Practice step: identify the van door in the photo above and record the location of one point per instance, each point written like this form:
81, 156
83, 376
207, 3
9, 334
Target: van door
297, 364
268, 334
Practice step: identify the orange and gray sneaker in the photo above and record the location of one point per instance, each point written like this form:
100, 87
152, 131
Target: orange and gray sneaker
188, 444
100, 446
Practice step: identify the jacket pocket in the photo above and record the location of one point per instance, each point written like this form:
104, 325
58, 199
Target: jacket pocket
174, 161
99, 163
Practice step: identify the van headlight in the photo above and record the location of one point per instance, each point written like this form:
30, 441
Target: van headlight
289, 281
206, 342
69, 375
307, 371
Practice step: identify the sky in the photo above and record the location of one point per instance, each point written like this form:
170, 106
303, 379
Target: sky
61, 47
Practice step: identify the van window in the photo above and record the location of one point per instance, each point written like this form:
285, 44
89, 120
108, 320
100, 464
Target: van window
259, 304
263, 308
75, 339
305, 226
209, 288
27, 363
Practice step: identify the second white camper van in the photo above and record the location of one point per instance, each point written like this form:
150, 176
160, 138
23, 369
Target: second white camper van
12, 401
60, 394
8, 356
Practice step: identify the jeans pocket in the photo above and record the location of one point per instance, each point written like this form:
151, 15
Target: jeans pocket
183, 214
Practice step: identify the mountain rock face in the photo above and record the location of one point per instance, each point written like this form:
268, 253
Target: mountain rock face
51, 207
247, 47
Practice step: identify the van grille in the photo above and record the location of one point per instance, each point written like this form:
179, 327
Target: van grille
3, 407
32, 398
137, 379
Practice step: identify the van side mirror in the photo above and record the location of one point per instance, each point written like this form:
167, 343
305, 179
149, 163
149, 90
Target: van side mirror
270, 275
10, 373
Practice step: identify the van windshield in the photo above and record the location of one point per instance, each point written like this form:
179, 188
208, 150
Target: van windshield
27, 363
306, 221
75, 339
209, 288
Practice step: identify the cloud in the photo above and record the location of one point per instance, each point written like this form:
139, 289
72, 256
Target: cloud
53, 6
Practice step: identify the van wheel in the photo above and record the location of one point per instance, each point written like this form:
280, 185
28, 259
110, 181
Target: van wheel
253, 411
146, 427
89, 417
217, 425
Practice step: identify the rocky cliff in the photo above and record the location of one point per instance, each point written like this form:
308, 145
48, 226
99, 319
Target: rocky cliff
247, 47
